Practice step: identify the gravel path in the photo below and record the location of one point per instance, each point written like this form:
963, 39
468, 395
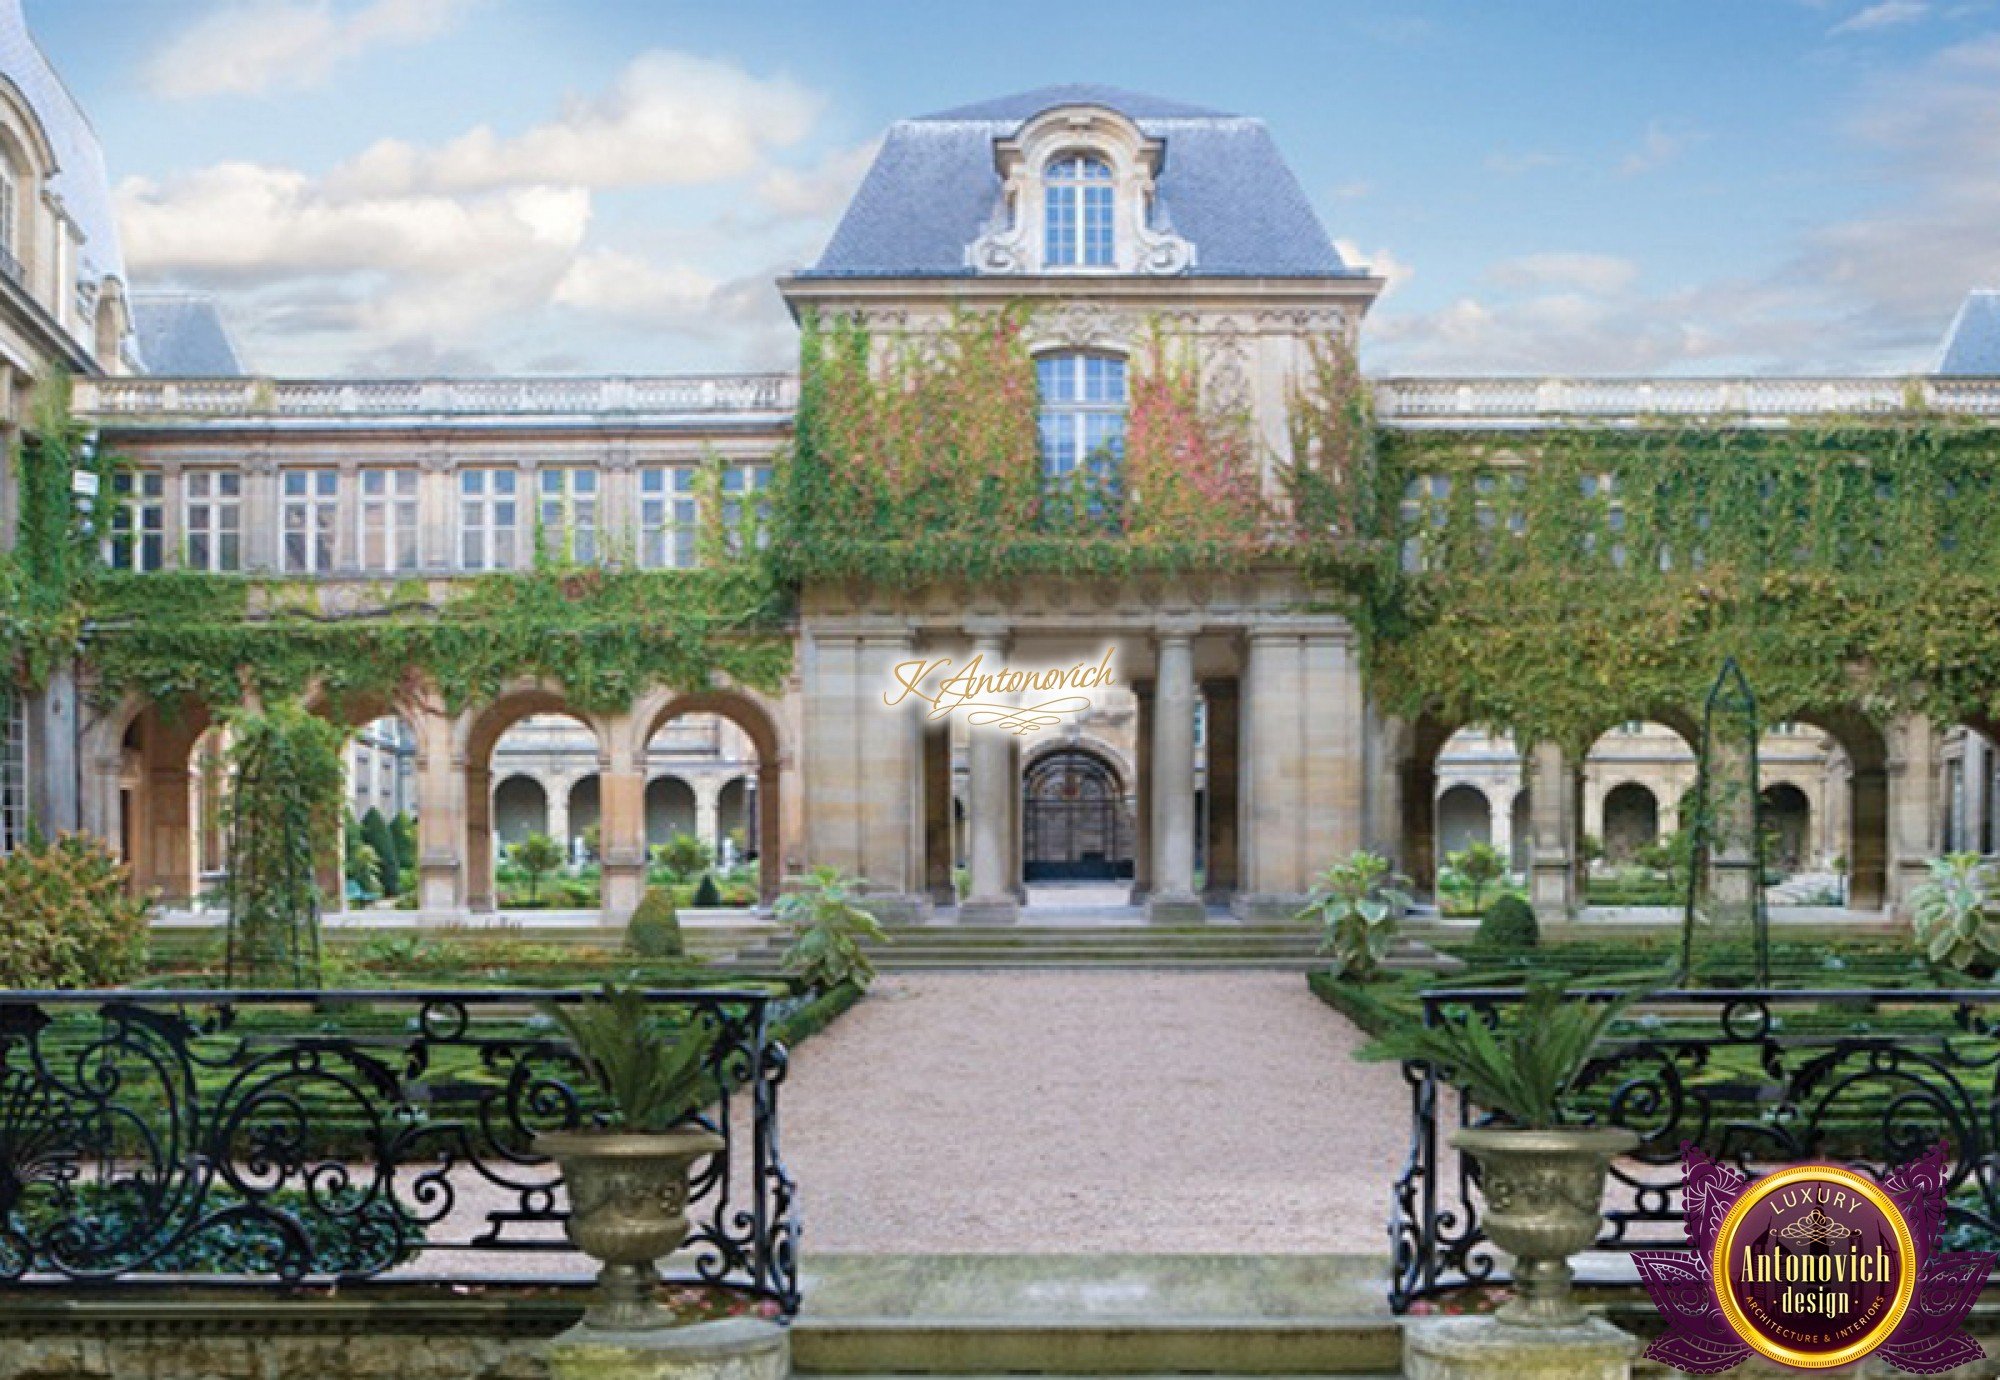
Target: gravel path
1076, 1112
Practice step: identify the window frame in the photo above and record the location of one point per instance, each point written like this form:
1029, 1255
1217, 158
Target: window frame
1079, 211
391, 535
499, 486
669, 517
570, 511
309, 512
1077, 412
212, 543
137, 540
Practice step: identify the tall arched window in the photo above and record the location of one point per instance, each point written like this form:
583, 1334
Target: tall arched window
10, 216
1077, 222
1082, 414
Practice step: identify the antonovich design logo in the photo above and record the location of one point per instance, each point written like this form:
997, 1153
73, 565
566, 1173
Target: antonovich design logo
1815, 1266
972, 688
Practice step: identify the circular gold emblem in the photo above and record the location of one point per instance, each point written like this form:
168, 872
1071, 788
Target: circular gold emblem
1814, 1266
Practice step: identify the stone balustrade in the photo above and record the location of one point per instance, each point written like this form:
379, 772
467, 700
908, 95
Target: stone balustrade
1504, 403
166, 400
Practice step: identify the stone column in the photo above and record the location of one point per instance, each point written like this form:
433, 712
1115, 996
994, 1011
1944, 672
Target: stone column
1225, 714
708, 814
53, 778
938, 842
1733, 882
621, 826
1142, 792
441, 817
1173, 900
1912, 807
1302, 764
1552, 796
990, 792
479, 840
555, 797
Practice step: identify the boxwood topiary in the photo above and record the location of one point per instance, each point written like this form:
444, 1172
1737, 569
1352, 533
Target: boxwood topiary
654, 931
707, 895
1509, 923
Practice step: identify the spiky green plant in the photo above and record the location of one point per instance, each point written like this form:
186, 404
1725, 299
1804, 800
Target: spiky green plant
652, 1070
1522, 1064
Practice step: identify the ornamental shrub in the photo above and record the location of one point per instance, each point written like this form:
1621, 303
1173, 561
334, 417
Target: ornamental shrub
388, 867
706, 895
67, 916
1358, 903
654, 931
1509, 923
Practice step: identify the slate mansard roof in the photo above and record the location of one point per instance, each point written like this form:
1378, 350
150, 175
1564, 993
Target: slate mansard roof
80, 179
183, 335
1972, 344
1222, 185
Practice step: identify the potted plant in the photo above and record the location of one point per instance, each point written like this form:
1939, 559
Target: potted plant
1953, 915
628, 1180
1358, 904
1542, 1174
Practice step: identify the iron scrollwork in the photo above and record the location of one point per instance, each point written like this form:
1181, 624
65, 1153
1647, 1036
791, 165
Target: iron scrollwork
328, 1136
1726, 1073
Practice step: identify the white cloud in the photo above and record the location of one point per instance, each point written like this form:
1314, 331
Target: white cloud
248, 221
818, 192
1393, 271
617, 284
1661, 144
263, 45
1595, 273
1885, 15
670, 119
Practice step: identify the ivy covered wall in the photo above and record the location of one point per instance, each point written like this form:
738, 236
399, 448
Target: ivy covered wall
1551, 582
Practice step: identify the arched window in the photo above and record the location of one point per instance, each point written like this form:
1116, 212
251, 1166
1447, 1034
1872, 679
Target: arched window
10, 216
1082, 413
1077, 221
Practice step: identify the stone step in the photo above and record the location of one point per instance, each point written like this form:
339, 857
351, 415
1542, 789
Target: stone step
1096, 1315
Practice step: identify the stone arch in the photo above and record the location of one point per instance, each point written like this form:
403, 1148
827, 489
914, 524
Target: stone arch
1521, 841
732, 813
1866, 749
759, 718
1074, 820
1788, 820
1631, 820
520, 808
586, 803
670, 808
145, 758
477, 735
1464, 817
1422, 740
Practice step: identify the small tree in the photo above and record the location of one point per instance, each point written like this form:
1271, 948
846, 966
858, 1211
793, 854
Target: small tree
1481, 865
376, 834
684, 855
283, 817
537, 856
1358, 903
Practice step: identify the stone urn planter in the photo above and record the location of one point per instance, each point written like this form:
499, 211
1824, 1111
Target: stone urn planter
628, 1196
1544, 1203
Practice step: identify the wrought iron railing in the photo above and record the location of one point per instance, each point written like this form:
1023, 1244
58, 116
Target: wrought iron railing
1756, 1078
284, 1137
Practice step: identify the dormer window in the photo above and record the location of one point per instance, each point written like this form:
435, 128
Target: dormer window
1077, 193
1079, 213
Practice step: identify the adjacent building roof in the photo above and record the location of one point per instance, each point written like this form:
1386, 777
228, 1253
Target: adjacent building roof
1222, 185
183, 335
1972, 344
80, 178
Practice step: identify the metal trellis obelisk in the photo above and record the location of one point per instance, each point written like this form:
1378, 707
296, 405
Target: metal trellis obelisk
1725, 882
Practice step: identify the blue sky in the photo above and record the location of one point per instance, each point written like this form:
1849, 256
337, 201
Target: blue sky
533, 185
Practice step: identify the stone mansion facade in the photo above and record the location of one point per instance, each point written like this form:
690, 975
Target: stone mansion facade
1241, 750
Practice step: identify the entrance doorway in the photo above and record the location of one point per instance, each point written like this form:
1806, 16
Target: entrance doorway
1076, 825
